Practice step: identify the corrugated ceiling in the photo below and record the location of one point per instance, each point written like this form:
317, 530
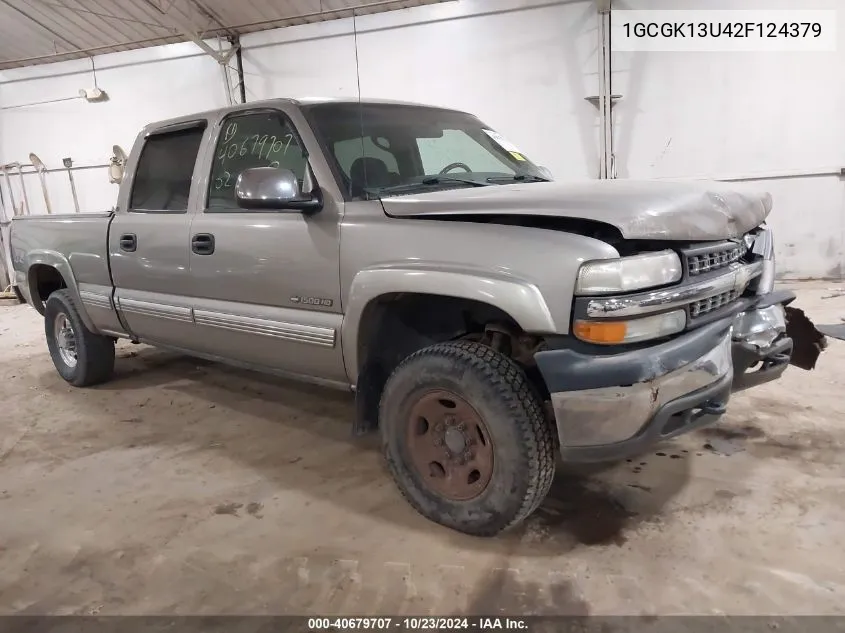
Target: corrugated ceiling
42, 31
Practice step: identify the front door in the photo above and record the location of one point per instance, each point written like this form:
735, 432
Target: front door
149, 239
266, 283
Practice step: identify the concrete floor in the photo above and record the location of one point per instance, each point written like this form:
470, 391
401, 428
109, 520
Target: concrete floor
192, 488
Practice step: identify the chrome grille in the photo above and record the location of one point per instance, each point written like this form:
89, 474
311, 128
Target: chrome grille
704, 306
718, 257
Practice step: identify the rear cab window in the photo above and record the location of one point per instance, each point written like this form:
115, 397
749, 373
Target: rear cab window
162, 180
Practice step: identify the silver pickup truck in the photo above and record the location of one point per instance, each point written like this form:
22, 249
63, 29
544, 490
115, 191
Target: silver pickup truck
487, 319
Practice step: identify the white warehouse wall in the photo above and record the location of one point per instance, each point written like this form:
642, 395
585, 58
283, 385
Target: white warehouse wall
143, 86
523, 66
752, 117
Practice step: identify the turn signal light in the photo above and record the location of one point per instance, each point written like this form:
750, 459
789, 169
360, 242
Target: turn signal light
631, 331
605, 332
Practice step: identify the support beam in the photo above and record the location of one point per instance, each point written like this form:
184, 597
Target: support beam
230, 75
212, 17
239, 66
222, 56
188, 30
106, 16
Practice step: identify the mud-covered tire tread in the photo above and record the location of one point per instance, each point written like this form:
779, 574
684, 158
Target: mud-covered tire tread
95, 353
525, 409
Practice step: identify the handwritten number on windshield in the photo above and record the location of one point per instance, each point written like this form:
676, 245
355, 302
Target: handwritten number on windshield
224, 181
273, 145
230, 132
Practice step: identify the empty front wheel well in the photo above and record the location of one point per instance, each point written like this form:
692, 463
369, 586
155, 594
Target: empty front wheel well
43, 281
396, 325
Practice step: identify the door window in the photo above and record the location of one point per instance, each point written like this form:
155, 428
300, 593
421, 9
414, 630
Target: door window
162, 181
263, 139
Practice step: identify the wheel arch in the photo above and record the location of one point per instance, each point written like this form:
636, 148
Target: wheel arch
47, 271
518, 300
393, 313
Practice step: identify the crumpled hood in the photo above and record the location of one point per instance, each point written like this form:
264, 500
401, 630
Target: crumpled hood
648, 209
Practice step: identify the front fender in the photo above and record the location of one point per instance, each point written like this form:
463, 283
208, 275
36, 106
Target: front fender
58, 261
521, 300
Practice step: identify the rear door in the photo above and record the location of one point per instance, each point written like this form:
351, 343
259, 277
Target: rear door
149, 245
266, 282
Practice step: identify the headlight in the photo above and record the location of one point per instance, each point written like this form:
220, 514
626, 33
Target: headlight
631, 331
606, 276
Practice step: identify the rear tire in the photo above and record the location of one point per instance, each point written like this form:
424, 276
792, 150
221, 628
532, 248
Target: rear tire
465, 438
81, 357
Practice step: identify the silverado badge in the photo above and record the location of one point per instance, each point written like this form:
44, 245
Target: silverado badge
313, 301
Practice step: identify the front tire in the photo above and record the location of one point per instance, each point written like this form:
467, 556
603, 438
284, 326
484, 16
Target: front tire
465, 438
81, 357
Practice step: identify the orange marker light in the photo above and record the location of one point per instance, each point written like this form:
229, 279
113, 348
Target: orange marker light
600, 331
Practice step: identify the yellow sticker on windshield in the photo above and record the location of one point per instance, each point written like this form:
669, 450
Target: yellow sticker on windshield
518, 156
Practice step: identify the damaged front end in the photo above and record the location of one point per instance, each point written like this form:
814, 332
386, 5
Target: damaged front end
771, 335
738, 332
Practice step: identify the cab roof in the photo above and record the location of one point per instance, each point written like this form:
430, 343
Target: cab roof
303, 101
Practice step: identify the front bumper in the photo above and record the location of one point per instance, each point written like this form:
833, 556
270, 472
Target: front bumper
615, 406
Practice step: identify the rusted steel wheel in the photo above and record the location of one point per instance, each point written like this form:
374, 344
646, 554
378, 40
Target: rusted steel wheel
465, 437
450, 445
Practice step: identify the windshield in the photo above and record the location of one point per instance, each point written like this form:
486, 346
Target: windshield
388, 149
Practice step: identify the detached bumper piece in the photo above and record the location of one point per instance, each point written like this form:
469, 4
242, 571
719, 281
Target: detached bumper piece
761, 350
609, 407
836, 331
810, 341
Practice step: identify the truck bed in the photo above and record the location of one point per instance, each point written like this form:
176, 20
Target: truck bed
73, 243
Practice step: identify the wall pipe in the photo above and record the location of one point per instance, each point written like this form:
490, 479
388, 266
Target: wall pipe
35, 103
239, 59
766, 175
602, 97
607, 166
227, 83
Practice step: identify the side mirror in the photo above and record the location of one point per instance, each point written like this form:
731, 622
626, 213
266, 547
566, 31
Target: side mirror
273, 188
